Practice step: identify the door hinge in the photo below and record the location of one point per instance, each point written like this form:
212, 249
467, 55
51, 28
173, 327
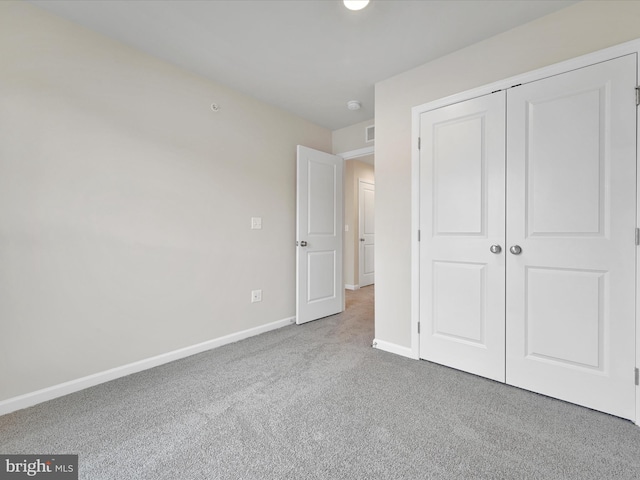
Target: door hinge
637, 96
419, 332
418, 235
637, 236
419, 141
637, 376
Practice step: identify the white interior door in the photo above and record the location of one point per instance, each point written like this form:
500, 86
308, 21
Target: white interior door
366, 229
571, 209
319, 289
462, 282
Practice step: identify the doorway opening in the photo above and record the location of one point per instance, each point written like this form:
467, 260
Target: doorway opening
359, 227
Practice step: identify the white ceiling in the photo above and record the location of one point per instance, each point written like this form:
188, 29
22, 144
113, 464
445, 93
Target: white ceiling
306, 56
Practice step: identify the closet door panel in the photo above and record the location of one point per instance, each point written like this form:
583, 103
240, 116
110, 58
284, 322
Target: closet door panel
461, 215
571, 193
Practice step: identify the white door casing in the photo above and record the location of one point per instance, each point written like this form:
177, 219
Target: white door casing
571, 208
319, 289
462, 164
366, 233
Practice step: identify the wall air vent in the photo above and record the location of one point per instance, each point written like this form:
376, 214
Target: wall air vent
370, 133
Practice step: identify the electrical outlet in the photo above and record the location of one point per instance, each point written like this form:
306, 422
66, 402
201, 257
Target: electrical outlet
256, 296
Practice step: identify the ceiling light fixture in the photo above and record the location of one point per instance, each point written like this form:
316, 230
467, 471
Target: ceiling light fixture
353, 105
356, 4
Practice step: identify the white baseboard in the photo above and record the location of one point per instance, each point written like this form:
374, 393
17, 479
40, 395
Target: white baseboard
33, 398
351, 287
393, 348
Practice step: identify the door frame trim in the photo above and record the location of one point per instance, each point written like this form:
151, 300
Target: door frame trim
360, 152
632, 47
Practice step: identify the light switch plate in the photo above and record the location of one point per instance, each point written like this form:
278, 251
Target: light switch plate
256, 296
256, 223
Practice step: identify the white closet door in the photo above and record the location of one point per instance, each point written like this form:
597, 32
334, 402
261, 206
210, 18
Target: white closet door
462, 171
571, 189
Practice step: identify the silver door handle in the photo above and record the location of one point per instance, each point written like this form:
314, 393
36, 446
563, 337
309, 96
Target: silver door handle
516, 249
495, 249
303, 243
362, 239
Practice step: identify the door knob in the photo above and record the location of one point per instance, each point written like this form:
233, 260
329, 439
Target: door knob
516, 250
495, 248
362, 239
303, 243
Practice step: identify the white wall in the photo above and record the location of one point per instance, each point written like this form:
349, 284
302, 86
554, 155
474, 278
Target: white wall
351, 138
125, 204
582, 28
355, 170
